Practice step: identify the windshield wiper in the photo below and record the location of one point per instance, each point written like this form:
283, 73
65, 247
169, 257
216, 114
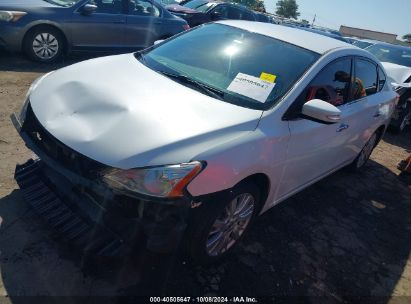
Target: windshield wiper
218, 94
140, 56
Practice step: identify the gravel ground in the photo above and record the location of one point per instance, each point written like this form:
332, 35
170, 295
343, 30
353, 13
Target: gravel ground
346, 236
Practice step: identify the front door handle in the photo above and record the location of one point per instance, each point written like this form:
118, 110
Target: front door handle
342, 127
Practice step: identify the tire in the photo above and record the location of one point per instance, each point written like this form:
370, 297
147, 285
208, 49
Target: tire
44, 44
204, 246
362, 158
404, 119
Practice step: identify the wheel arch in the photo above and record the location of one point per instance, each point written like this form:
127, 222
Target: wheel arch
262, 181
380, 132
46, 24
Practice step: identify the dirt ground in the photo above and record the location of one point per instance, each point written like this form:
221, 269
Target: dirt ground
345, 237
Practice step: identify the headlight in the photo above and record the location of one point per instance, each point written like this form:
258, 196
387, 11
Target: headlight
165, 181
11, 16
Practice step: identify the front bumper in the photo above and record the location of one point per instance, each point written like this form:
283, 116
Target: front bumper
90, 216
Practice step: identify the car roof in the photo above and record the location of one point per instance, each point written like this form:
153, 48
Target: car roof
291, 35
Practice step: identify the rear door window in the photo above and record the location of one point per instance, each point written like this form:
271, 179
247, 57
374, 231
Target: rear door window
142, 8
234, 13
365, 82
247, 15
222, 10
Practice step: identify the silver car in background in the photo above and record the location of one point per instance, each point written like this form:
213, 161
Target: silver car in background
197, 134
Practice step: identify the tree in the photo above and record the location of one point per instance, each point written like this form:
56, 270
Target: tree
407, 38
287, 9
257, 5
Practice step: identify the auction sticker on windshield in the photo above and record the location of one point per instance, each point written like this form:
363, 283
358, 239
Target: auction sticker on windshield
268, 77
252, 87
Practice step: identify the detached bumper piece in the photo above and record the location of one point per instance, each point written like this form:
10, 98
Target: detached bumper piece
90, 238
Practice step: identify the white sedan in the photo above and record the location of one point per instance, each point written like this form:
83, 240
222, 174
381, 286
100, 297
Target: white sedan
225, 120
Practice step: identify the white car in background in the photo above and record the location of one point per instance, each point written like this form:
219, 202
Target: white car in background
207, 129
396, 60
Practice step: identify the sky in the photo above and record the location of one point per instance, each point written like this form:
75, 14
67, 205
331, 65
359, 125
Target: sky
390, 16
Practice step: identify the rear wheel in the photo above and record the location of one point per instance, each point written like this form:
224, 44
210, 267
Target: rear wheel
44, 44
365, 153
218, 226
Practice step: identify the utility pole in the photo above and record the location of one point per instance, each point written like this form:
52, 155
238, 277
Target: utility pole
315, 15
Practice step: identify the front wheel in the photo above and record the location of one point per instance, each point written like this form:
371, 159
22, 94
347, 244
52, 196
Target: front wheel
44, 44
217, 226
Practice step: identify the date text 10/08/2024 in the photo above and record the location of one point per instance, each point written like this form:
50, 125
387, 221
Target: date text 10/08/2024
205, 299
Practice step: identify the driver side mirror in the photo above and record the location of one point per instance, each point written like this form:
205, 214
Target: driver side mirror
88, 9
216, 16
322, 111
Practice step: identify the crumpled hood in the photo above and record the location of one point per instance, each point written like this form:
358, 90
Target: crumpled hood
180, 9
398, 73
121, 113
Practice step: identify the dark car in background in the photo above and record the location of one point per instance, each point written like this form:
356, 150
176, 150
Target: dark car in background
197, 12
46, 29
260, 17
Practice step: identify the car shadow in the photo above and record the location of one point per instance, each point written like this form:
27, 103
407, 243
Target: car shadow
345, 237
16, 62
35, 261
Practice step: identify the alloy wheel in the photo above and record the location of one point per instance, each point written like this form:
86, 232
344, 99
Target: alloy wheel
366, 151
231, 224
45, 46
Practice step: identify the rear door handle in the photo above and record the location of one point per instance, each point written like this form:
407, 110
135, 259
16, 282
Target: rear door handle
342, 127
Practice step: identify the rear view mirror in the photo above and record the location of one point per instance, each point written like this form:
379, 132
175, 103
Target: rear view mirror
88, 9
321, 111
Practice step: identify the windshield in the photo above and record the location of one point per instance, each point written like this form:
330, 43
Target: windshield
233, 62
65, 3
362, 44
397, 55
